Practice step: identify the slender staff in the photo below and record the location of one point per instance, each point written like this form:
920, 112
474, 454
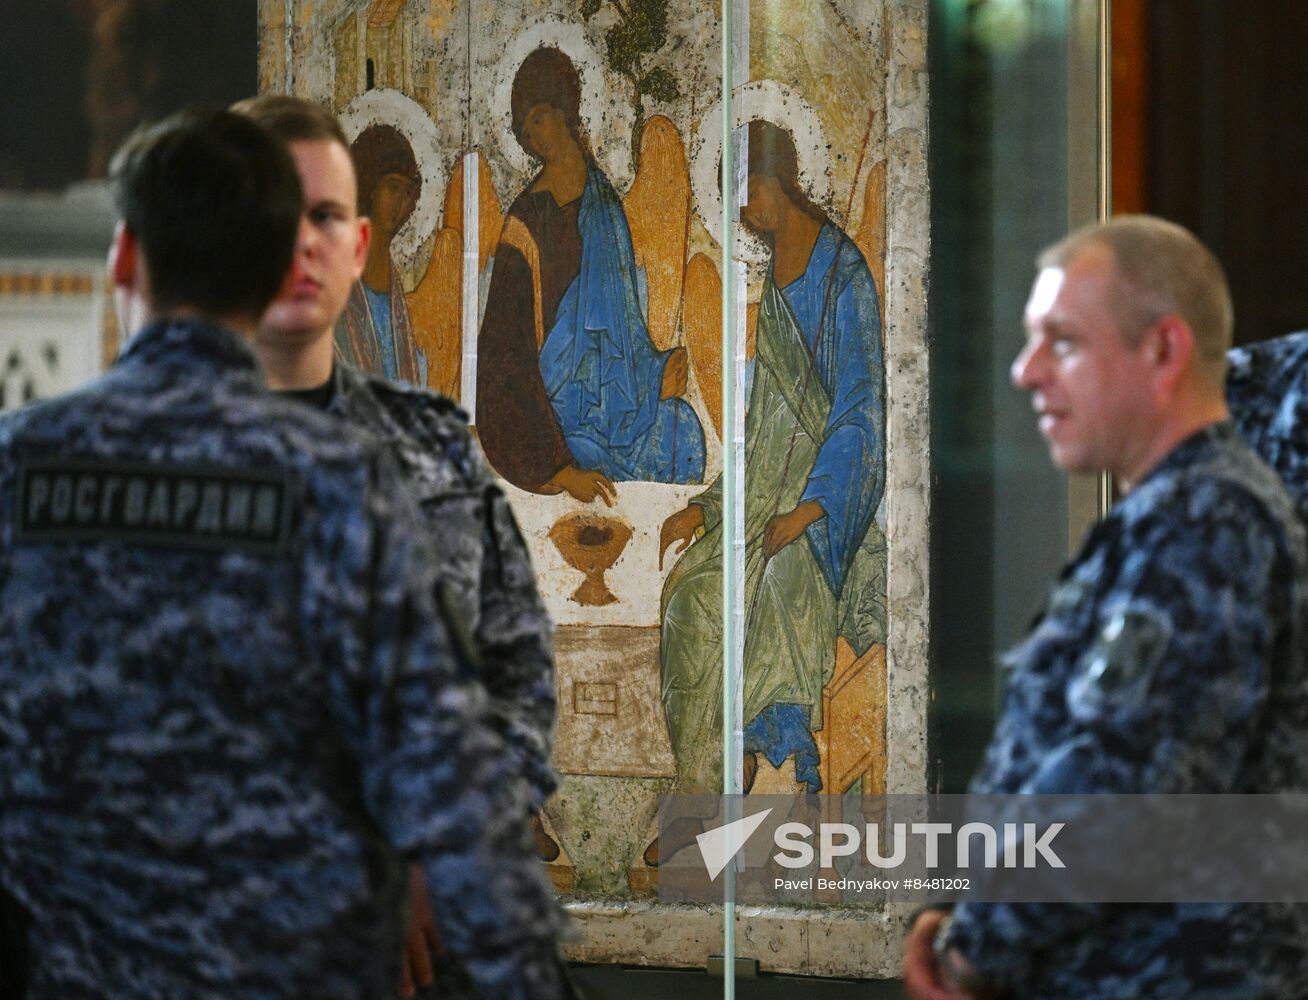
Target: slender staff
677, 334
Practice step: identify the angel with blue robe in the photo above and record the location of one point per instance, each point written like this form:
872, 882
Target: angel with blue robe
814, 474
575, 395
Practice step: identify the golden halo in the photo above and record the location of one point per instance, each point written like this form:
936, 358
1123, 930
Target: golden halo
391, 107
771, 101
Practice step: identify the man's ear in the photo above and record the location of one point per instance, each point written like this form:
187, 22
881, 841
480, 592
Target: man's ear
129, 276
1172, 350
124, 257
362, 242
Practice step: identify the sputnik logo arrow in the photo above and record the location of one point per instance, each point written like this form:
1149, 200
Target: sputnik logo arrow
719, 845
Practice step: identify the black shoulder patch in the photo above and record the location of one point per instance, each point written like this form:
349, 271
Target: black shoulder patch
185, 506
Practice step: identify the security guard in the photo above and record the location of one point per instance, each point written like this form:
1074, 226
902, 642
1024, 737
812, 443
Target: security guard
484, 570
1267, 392
229, 711
1170, 655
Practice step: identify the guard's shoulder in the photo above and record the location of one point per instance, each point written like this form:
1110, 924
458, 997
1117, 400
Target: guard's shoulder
12, 423
1267, 367
328, 459
77, 416
415, 399
291, 418
1289, 348
1231, 502
427, 416
430, 431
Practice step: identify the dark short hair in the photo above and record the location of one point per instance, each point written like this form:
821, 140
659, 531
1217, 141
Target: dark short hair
293, 119
547, 76
380, 150
214, 201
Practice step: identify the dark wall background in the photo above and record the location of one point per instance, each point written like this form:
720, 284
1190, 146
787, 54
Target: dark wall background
1227, 125
77, 75
1001, 143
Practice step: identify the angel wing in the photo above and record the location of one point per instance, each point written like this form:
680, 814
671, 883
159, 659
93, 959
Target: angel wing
871, 236
658, 212
490, 216
436, 305
435, 309
702, 322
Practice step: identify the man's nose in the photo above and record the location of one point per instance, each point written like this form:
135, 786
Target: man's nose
306, 236
1028, 367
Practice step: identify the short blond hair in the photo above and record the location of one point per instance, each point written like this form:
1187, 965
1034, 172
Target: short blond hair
1161, 268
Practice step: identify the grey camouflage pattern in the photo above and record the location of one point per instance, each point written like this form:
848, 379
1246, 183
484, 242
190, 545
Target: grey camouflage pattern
1170, 657
1267, 394
214, 766
484, 573
484, 568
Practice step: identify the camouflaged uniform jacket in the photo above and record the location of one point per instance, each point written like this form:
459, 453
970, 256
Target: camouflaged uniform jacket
1267, 393
229, 711
1170, 657
484, 569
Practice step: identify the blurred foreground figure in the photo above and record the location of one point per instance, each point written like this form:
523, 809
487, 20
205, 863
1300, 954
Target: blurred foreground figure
1170, 656
229, 712
1267, 391
482, 569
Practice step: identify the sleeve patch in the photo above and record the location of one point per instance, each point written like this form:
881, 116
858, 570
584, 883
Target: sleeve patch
1117, 670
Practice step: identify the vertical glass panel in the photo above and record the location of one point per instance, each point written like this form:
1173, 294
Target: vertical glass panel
733, 183
595, 127
1015, 165
806, 284
597, 396
558, 262
812, 242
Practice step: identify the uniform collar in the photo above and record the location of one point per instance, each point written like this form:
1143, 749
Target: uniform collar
349, 389
346, 379
191, 343
1202, 443
353, 399
1200, 446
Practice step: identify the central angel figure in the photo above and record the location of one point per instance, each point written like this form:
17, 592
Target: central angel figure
574, 394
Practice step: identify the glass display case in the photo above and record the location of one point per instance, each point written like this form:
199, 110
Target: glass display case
730, 291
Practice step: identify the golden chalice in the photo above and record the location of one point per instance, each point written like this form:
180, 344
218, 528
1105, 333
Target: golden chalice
591, 544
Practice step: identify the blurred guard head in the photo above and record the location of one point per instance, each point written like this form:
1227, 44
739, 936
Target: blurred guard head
334, 238
209, 204
1128, 325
